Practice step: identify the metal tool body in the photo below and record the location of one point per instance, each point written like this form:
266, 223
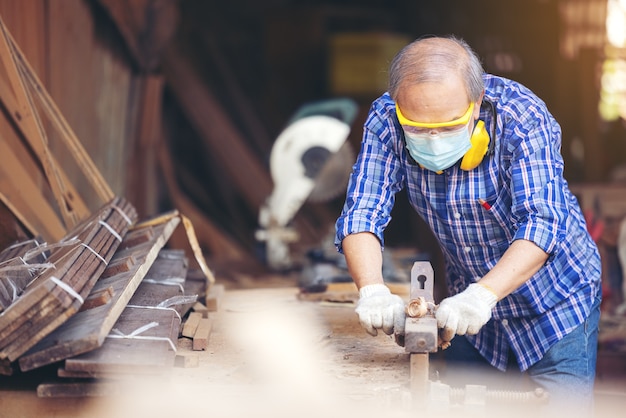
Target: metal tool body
421, 332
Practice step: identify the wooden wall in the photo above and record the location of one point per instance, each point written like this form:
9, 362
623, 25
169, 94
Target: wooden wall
92, 84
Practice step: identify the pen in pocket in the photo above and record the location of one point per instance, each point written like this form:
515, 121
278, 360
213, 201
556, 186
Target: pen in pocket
484, 204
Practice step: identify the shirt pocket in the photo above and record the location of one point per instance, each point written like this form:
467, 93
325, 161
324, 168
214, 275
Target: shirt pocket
479, 225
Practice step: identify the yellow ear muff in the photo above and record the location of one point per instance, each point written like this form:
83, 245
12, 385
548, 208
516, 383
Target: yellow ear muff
480, 145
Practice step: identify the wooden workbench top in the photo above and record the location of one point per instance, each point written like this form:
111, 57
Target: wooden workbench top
271, 353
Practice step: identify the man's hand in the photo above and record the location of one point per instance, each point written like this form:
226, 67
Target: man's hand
378, 308
466, 312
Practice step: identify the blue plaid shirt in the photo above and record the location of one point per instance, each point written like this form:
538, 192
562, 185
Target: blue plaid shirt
522, 180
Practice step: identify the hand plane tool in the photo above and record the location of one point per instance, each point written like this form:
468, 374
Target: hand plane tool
420, 334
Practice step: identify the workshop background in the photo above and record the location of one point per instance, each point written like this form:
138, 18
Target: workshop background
178, 103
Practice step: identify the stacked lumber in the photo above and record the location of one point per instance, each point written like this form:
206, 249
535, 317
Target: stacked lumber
143, 340
97, 295
51, 298
88, 329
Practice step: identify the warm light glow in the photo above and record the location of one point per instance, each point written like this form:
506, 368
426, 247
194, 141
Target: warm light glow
616, 23
612, 104
613, 89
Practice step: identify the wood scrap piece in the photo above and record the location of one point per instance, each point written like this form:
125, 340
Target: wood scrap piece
98, 298
201, 336
214, 297
87, 330
191, 324
137, 236
119, 265
72, 374
75, 390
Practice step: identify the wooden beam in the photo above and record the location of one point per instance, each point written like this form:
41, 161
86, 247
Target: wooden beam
221, 138
25, 116
146, 25
210, 236
67, 135
143, 180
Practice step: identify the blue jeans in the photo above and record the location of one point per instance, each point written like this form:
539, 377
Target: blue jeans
566, 372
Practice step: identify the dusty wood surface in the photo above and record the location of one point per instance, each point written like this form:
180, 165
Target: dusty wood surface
272, 355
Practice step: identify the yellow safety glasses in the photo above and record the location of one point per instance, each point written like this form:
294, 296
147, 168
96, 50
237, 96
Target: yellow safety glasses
454, 124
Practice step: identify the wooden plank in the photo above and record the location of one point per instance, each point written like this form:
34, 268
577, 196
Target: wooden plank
137, 237
191, 324
163, 283
77, 390
129, 350
17, 269
25, 116
201, 336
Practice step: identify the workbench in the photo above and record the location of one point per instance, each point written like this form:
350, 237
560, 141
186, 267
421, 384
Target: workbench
270, 354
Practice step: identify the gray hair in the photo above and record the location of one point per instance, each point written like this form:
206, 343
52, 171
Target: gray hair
431, 60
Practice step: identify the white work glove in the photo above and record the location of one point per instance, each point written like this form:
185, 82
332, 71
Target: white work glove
466, 312
378, 308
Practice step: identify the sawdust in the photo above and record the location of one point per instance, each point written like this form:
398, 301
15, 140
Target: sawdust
271, 354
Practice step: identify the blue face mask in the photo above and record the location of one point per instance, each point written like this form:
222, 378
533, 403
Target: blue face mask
438, 151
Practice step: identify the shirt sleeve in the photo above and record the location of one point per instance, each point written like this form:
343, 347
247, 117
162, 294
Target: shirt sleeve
376, 178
